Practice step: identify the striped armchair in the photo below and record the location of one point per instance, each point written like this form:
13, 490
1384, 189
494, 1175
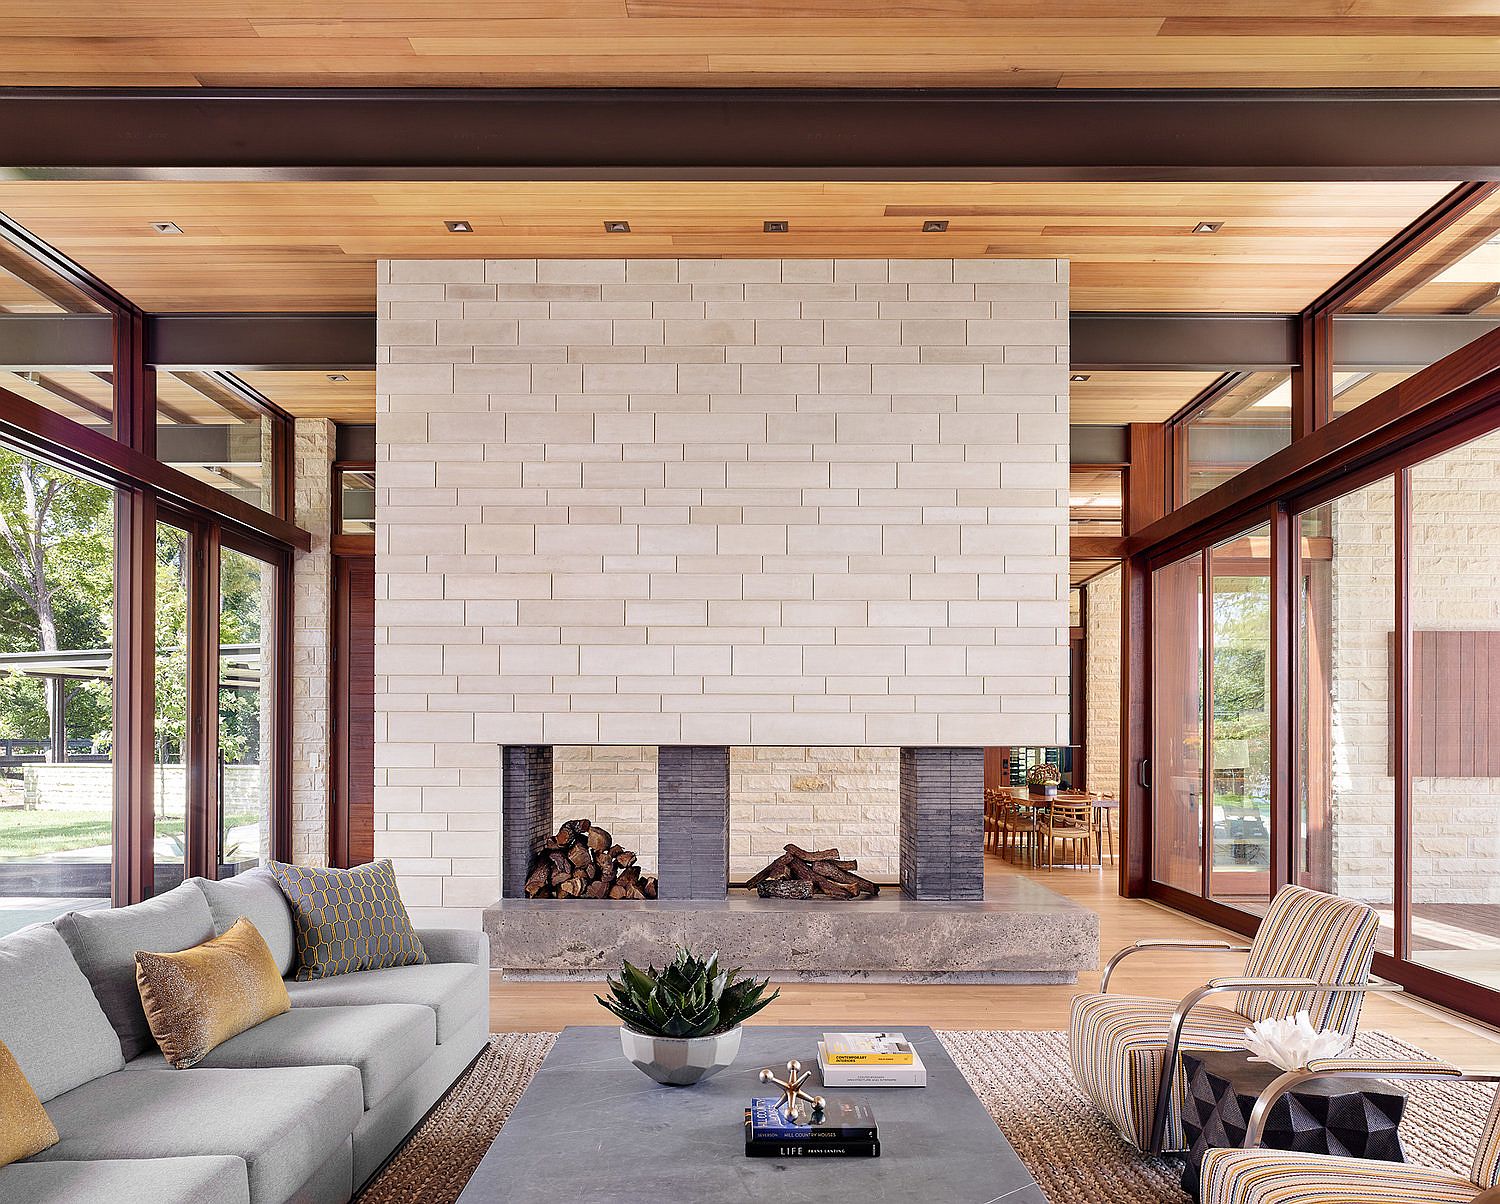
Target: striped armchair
1312, 953
1256, 1176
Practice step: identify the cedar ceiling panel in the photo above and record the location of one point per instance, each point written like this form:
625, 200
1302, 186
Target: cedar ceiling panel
1111, 397
708, 43
310, 245
315, 395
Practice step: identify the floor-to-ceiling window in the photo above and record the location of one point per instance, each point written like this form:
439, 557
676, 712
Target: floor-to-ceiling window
246, 713
56, 709
1177, 713
1453, 584
1210, 767
1345, 780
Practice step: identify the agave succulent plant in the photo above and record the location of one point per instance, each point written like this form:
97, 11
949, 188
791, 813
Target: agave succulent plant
690, 997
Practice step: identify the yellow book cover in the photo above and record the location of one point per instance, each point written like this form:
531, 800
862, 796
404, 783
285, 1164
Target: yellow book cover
867, 1049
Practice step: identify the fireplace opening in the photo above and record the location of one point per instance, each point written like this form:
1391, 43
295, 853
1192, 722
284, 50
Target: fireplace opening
717, 821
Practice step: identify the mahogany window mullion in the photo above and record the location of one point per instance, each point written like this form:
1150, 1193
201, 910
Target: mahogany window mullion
1206, 696
202, 703
1403, 766
134, 667
1284, 576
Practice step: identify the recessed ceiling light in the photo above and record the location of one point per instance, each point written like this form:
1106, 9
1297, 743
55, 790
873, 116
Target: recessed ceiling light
776, 227
1079, 376
460, 227
337, 376
935, 227
1207, 227
166, 227
617, 227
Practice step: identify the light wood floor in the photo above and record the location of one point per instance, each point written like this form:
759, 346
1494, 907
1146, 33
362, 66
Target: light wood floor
533, 1006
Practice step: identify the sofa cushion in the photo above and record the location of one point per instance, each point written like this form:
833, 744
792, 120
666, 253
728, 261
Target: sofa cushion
105, 942
27, 1129
347, 920
198, 999
385, 1042
454, 992
49, 1018
254, 895
219, 1180
283, 1123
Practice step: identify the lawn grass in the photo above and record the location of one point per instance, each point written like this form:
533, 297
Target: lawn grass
28, 834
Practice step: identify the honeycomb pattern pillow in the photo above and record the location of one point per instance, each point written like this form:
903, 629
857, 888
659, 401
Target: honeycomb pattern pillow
347, 920
27, 1129
197, 999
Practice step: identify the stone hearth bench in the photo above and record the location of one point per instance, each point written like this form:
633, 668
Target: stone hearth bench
1021, 932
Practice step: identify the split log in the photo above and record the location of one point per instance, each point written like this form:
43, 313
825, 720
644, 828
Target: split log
583, 861
820, 872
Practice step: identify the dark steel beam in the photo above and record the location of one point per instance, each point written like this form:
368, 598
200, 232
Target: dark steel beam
1104, 342
1101, 342
251, 342
659, 133
1370, 343
35, 342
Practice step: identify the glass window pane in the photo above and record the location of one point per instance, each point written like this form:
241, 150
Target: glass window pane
56, 700
1177, 717
1455, 703
1095, 501
26, 287
170, 781
356, 488
87, 398
1455, 276
246, 607
1250, 420
1346, 842
1240, 608
206, 428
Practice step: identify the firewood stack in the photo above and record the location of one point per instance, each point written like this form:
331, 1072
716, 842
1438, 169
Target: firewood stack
824, 870
583, 862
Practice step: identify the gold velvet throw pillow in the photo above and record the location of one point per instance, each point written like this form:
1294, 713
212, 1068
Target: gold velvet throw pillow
199, 998
25, 1127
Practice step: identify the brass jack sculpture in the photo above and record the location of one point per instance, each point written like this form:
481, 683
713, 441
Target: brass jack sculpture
792, 1094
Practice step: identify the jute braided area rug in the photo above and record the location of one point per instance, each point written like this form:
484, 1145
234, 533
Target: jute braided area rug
1022, 1078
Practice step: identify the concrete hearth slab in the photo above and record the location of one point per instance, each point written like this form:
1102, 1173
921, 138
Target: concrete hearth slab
1020, 932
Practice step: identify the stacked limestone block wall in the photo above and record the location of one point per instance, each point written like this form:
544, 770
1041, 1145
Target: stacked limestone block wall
312, 631
765, 502
1102, 677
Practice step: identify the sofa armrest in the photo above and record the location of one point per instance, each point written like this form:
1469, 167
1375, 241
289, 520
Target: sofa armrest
456, 945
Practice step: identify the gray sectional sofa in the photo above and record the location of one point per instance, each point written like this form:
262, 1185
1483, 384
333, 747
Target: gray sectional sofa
303, 1108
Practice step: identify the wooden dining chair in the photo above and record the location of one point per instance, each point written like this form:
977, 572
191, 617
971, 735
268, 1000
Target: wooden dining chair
994, 820
1107, 808
1072, 825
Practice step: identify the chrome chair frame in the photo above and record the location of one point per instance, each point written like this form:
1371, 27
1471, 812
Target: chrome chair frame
1217, 986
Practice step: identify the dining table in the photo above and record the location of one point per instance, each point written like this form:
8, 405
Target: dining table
1037, 805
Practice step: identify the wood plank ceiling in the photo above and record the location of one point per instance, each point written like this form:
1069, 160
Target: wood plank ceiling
311, 245
832, 43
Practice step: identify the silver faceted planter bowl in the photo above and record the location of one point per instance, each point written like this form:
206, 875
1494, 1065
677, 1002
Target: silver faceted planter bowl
681, 1061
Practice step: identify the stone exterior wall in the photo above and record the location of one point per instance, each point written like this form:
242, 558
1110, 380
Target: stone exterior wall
814, 797
711, 501
1455, 563
312, 622
90, 787
1102, 669
1455, 585
1363, 828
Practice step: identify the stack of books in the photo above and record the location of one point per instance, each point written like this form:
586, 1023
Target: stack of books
870, 1060
846, 1130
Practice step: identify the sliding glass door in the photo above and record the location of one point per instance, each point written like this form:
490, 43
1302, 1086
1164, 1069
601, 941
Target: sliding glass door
1345, 779
1210, 767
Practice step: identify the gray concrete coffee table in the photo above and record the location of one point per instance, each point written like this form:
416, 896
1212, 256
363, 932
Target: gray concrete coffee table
591, 1127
